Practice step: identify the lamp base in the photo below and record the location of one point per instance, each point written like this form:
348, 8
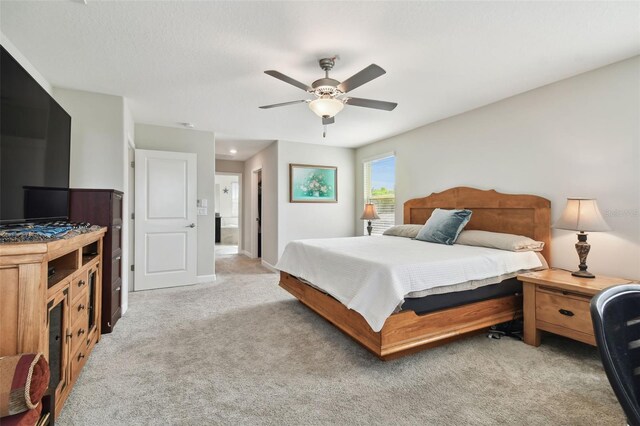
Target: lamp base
369, 227
583, 247
583, 274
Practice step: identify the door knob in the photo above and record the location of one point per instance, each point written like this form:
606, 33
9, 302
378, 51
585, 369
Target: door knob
193, 225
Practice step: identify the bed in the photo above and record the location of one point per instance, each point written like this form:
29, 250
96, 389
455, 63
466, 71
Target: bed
405, 332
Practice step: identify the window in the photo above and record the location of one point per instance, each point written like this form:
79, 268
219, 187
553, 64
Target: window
379, 189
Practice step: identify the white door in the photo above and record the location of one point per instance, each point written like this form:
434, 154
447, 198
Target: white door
165, 219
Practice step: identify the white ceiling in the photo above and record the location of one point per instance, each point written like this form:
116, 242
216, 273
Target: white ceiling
245, 148
203, 62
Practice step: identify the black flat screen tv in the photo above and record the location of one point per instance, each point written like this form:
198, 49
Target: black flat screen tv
35, 140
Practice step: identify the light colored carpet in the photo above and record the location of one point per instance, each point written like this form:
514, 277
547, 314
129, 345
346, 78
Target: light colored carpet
242, 351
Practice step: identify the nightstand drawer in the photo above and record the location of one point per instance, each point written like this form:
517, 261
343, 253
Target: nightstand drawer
565, 310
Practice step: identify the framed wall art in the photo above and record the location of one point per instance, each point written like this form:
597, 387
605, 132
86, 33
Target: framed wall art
313, 184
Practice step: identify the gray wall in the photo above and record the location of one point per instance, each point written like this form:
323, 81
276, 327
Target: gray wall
267, 160
101, 128
575, 137
202, 143
229, 166
284, 221
315, 220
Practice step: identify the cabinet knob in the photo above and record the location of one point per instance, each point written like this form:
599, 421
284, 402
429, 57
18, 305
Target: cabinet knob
69, 335
108, 323
80, 307
80, 332
80, 356
81, 283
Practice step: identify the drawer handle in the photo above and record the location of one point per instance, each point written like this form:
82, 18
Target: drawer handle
80, 307
118, 258
80, 332
80, 283
118, 289
565, 312
80, 356
118, 227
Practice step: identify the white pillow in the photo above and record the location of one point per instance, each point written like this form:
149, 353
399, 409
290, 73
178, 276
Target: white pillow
406, 231
499, 240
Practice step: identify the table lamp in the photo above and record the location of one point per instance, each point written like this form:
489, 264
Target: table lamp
369, 214
582, 214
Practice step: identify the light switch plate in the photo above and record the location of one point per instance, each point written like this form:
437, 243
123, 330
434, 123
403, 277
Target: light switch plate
202, 211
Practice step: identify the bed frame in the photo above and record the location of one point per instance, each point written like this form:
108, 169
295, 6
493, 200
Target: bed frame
406, 332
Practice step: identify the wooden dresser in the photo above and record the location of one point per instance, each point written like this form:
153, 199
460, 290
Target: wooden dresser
51, 298
104, 207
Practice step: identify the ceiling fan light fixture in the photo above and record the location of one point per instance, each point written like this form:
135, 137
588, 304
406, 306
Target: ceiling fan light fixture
326, 106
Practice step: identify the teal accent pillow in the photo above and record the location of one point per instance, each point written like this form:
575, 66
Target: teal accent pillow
444, 226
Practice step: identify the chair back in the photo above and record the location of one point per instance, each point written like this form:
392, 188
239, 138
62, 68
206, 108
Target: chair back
616, 321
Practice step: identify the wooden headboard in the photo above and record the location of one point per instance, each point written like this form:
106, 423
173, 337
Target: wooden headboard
527, 215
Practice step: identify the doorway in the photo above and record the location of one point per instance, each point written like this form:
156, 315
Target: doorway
228, 210
256, 214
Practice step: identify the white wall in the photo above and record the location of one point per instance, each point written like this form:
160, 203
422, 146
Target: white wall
128, 139
315, 220
576, 137
201, 143
97, 138
26, 64
267, 160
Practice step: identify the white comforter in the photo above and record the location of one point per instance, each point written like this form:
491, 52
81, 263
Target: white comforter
372, 275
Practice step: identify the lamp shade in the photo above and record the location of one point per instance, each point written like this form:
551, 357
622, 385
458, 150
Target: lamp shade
369, 212
326, 106
582, 214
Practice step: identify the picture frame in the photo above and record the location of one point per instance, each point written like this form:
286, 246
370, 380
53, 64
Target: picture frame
313, 184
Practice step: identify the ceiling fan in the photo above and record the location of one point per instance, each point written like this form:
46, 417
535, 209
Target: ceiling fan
330, 93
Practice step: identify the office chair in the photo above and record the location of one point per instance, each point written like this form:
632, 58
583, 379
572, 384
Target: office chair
616, 321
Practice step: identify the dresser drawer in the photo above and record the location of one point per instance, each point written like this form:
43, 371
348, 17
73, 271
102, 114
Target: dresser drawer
78, 286
78, 359
565, 310
116, 208
79, 309
116, 268
116, 238
79, 334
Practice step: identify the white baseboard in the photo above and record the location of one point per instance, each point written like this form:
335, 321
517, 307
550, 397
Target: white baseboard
270, 266
206, 278
245, 253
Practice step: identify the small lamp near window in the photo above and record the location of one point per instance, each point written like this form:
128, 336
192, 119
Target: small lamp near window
582, 214
369, 214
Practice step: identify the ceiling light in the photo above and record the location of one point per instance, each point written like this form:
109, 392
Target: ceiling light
326, 106
188, 125
233, 151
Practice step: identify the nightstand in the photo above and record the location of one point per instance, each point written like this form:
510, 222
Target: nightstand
558, 302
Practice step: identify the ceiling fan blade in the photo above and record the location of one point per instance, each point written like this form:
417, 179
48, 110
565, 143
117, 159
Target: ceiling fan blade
328, 120
366, 75
370, 103
289, 80
282, 104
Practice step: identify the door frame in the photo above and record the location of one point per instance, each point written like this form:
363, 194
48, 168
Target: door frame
240, 205
131, 228
254, 212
